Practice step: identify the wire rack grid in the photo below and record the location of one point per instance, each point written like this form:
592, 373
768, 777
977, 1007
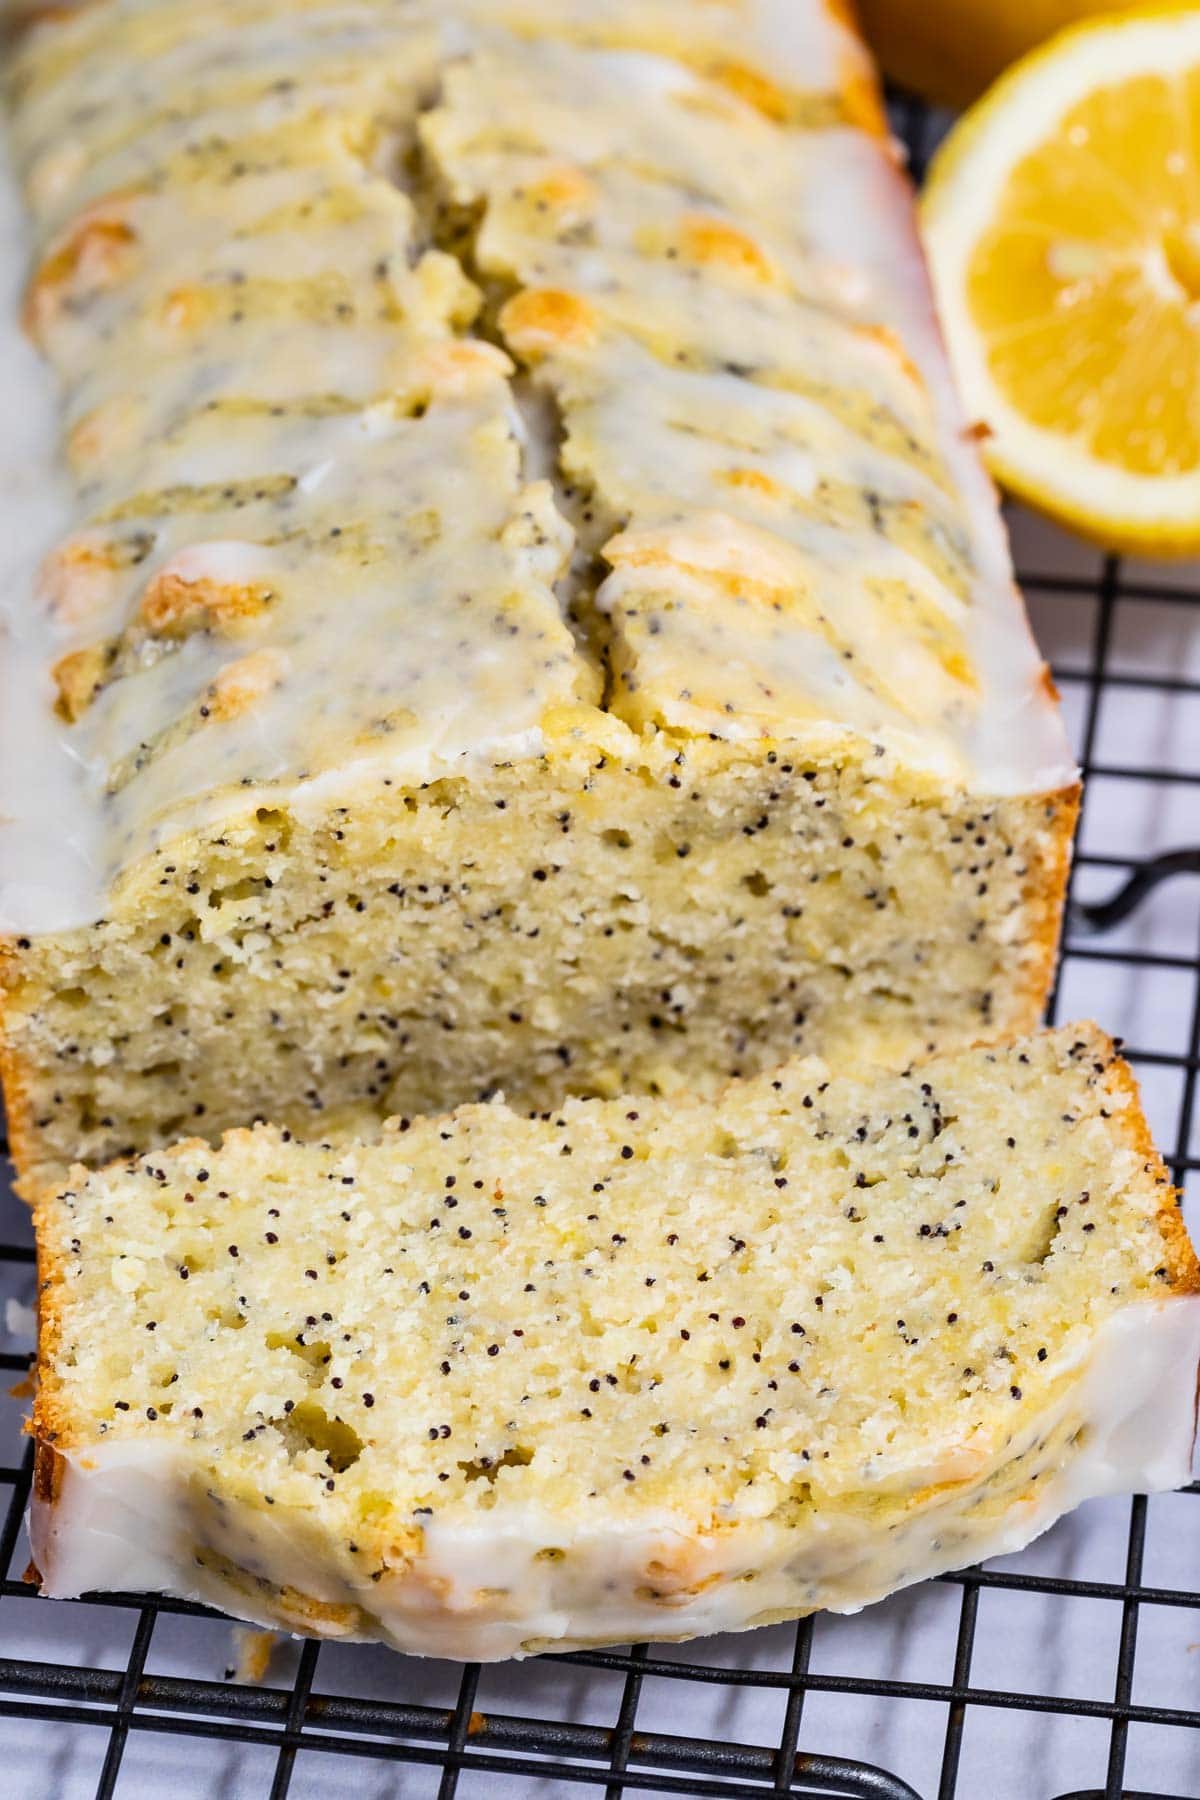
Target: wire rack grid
1065, 1673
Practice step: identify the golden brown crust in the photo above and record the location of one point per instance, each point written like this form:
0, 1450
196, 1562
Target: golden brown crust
45, 1422
861, 89
1049, 893
1182, 1265
1048, 685
48, 1470
704, 240
95, 252
173, 606
79, 677
540, 320
20, 1126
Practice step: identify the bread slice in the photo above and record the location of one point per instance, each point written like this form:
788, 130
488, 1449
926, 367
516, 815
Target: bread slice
532, 614
632, 1369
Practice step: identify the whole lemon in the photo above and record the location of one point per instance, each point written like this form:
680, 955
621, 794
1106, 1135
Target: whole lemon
949, 50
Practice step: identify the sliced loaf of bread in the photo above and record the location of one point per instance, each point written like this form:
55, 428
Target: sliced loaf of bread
531, 614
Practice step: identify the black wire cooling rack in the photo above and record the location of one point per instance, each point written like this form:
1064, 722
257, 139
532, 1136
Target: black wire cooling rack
299, 1731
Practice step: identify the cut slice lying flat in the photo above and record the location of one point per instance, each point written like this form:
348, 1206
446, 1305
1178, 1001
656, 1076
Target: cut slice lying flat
1062, 218
635, 1369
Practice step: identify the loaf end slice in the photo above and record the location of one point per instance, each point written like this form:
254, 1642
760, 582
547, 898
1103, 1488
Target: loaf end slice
633, 1369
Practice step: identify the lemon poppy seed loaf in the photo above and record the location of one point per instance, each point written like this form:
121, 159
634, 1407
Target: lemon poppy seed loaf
632, 1369
532, 616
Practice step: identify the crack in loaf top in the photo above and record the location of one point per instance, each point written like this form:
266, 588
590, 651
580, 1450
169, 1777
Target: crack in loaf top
305, 541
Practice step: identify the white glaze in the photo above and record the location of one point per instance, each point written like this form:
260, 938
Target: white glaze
131, 1515
346, 643
837, 258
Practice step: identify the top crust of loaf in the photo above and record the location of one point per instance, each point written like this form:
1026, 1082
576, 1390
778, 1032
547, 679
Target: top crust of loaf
757, 515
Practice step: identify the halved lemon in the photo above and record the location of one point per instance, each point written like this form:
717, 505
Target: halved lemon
1062, 218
